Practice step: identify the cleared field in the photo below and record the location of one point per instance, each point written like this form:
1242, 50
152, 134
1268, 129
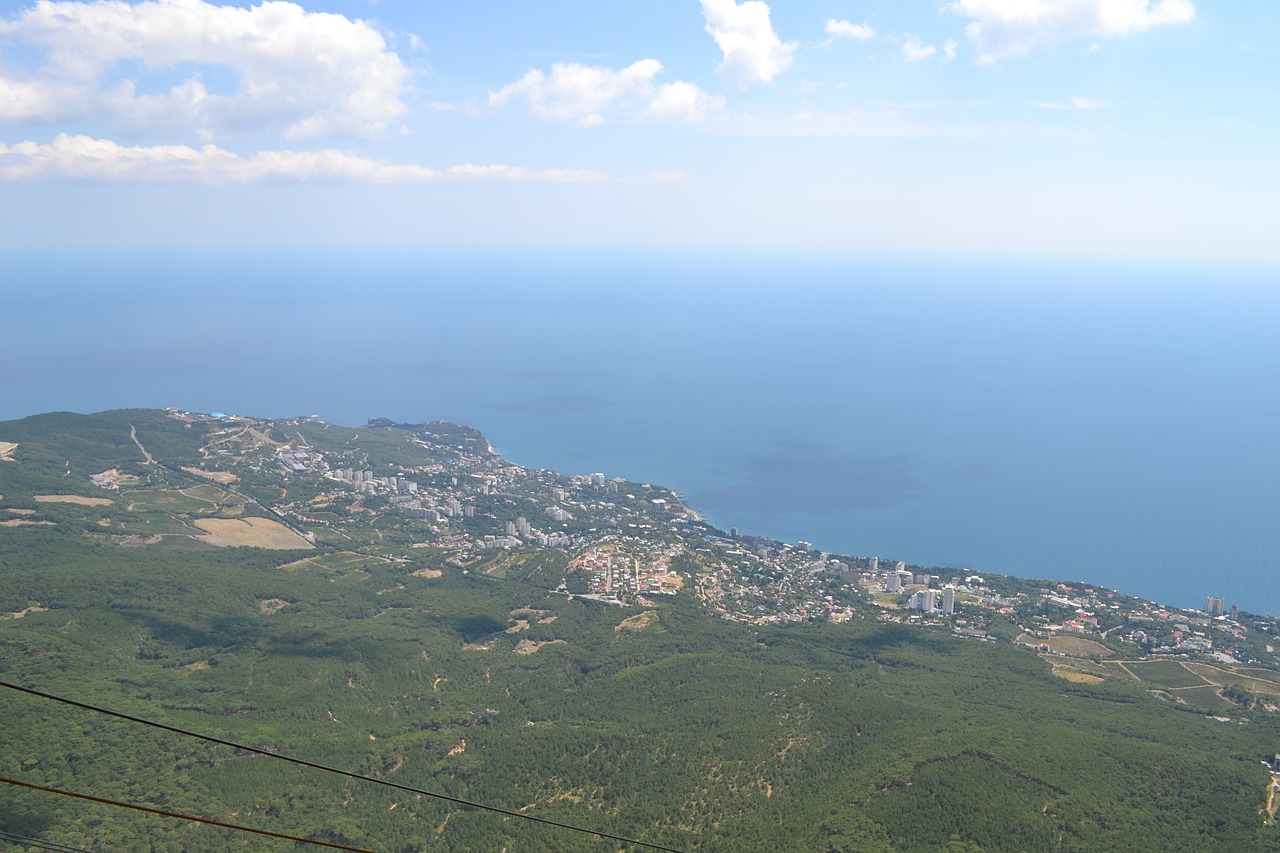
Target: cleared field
1095, 671
1164, 673
22, 522
72, 499
1078, 647
528, 647
1066, 672
212, 494
1205, 697
168, 500
6, 451
215, 476
1221, 677
638, 622
430, 574
343, 561
331, 517
250, 533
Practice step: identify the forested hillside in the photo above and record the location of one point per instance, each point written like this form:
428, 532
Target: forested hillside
657, 721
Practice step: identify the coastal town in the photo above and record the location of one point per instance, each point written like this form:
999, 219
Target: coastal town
402, 492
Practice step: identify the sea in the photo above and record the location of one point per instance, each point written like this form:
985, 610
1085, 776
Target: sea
1112, 422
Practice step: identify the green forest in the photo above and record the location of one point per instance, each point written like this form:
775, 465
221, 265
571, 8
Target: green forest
679, 729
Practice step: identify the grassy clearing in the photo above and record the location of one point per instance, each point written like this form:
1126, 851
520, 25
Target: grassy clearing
430, 574
72, 499
215, 476
251, 533
1073, 675
1078, 647
1205, 697
1164, 673
1222, 677
638, 622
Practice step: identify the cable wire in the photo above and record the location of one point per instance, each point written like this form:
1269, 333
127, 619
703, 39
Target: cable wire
181, 816
328, 769
14, 838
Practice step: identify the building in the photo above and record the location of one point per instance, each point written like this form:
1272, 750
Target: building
893, 583
1214, 606
925, 600
948, 599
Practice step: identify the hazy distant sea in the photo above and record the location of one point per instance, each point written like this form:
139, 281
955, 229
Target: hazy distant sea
1115, 424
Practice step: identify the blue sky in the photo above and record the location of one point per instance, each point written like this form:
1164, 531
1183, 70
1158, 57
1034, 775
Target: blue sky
1044, 128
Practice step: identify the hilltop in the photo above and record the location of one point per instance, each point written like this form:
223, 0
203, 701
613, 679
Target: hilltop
404, 601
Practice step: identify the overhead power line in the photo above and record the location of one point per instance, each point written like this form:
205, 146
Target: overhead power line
181, 816
39, 844
328, 769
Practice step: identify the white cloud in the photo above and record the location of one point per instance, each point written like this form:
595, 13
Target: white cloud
949, 50
847, 30
753, 53
584, 93
306, 74
1071, 104
915, 50
87, 158
682, 101
1004, 28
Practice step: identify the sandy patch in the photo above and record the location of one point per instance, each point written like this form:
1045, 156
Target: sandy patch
215, 476
528, 647
1078, 647
21, 511
1077, 677
638, 622
250, 533
459, 749
22, 522
271, 606
21, 613
6, 451
72, 499
420, 545
192, 667
427, 573
521, 625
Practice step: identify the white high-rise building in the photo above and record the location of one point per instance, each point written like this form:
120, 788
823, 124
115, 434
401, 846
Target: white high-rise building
893, 584
948, 599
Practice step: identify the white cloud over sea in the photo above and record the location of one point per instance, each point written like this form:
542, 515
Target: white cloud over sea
88, 158
304, 74
1002, 28
753, 52
586, 93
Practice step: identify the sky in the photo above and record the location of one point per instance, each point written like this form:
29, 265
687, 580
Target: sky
1136, 129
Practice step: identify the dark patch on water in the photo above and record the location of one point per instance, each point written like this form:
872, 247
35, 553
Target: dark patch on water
816, 481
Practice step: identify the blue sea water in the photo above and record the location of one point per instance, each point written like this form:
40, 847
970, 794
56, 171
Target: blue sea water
1110, 423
